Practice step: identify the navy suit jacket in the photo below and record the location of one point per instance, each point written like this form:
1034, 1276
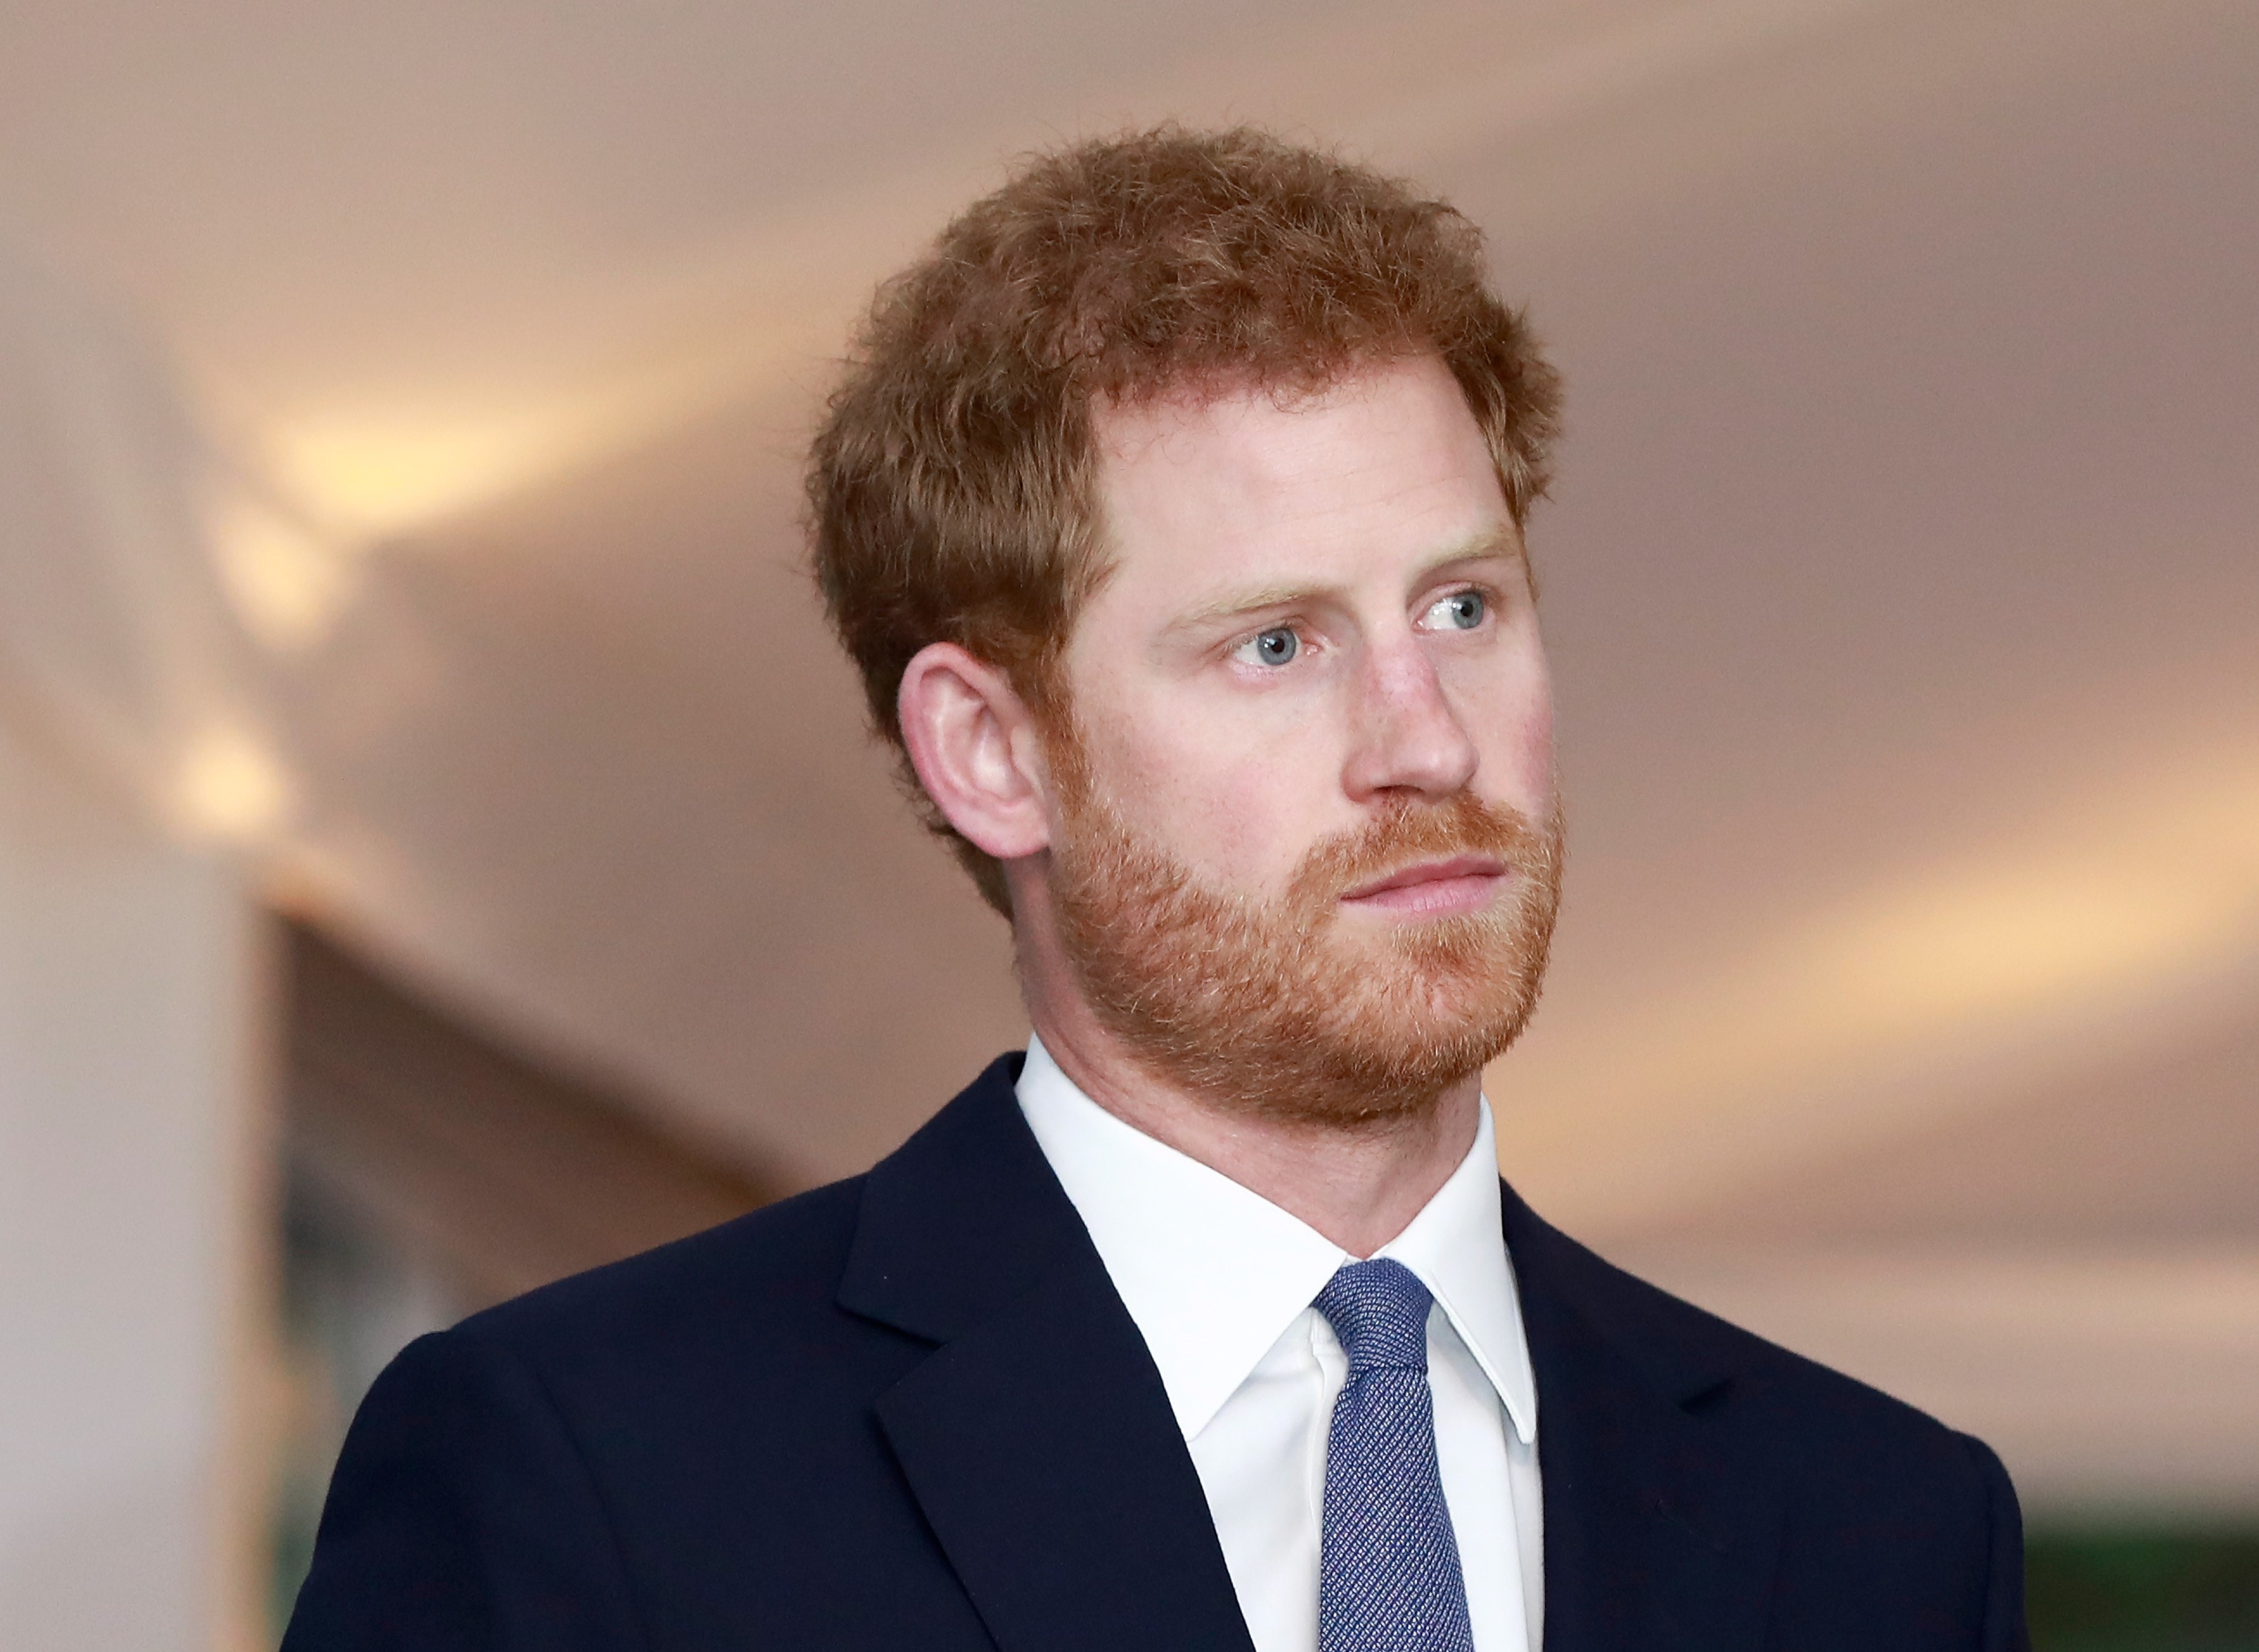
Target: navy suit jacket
908, 1411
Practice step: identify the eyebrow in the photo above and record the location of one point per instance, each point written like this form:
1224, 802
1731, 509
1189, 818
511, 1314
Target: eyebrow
1497, 543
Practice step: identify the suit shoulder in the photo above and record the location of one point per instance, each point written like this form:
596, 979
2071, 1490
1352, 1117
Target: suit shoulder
1712, 1366
773, 1264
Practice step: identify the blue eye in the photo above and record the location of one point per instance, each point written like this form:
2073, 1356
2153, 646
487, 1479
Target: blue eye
1462, 611
1277, 646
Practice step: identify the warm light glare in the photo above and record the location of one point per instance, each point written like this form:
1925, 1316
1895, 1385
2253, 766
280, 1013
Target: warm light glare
383, 478
286, 581
230, 789
381, 462
2024, 936
1859, 1015
2100, 907
382, 468
2162, 883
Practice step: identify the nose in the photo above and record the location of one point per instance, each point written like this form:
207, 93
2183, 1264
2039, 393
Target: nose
1407, 738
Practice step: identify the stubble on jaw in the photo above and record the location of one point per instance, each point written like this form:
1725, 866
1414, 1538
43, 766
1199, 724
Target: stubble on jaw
1281, 1008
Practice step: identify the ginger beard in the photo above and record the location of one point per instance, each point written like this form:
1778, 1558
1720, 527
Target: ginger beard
1290, 1007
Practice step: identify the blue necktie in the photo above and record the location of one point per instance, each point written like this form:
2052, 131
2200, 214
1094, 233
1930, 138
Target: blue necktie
1389, 1578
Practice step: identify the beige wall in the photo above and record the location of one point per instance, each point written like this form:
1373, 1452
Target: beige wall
125, 1131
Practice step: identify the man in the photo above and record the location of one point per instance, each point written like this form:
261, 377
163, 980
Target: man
1172, 511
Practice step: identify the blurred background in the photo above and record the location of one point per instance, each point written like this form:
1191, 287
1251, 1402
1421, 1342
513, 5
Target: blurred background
439, 848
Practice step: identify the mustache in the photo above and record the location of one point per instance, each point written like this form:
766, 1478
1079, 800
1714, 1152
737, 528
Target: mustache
1408, 831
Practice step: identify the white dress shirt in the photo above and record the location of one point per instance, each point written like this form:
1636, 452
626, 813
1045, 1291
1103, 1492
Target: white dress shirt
1219, 1281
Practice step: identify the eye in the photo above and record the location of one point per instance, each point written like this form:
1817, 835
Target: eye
1461, 611
1277, 646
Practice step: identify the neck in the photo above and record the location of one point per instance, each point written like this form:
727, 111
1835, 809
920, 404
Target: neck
1359, 1186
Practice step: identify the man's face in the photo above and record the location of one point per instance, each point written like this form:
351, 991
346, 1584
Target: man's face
1304, 857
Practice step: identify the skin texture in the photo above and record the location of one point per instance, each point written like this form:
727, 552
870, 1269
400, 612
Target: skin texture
1357, 521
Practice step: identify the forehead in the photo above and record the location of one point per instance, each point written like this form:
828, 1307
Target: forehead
1385, 466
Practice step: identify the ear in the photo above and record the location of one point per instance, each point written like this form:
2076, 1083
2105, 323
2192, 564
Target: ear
977, 750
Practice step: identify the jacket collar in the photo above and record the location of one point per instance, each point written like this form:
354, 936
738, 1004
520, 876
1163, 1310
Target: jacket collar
1039, 1441
1037, 1436
1662, 1529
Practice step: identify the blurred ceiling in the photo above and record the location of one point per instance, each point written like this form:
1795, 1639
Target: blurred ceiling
1901, 584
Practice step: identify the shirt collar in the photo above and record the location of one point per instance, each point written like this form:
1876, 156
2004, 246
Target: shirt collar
1164, 1224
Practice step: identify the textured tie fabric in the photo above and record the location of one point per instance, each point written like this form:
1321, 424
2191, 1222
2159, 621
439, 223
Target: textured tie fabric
1389, 1578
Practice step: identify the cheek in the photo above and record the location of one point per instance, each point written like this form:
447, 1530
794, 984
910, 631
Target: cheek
1516, 742
1536, 750
1231, 810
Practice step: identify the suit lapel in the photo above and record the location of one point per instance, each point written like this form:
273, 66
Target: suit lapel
1038, 1441
1036, 1437
1658, 1532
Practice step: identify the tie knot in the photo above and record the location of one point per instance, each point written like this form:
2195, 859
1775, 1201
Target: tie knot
1379, 1311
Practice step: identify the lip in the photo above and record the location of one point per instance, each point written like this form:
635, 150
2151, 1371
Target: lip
1460, 883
